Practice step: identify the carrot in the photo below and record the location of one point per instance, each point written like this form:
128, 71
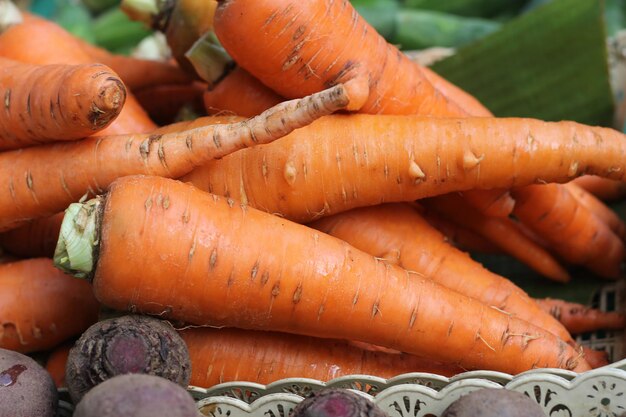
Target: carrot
578, 318
602, 188
212, 271
41, 306
227, 355
164, 102
572, 230
55, 365
65, 172
503, 232
198, 122
596, 358
343, 162
35, 239
45, 103
30, 42
239, 93
398, 234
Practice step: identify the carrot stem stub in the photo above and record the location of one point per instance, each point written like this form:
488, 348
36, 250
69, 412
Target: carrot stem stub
167, 248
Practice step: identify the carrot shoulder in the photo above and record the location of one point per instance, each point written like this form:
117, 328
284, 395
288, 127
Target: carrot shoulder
45, 103
311, 284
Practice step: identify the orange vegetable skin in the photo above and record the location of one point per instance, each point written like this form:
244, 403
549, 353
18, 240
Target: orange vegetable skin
226, 355
205, 267
35, 239
602, 188
46, 103
40, 306
344, 162
579, 318
55, 365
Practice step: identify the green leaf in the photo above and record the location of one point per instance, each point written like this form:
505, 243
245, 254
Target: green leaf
417, 29
549, 64
115, 31
379, 13
98, 6
76, 19
481, 8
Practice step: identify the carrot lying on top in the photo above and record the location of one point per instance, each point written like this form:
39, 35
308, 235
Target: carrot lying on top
65, 172
45, 103
42, 42
398, 234
579, 318
309, 283
571, 230
40, 306
227, 355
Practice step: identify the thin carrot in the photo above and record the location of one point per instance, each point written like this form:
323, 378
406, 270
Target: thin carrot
65, 172
311, 284
164, 102
55, 365
45, 103
40, 306
503, 233
572, 230
398, 234
578, 318
603, 188
239, 93
343, 162
35, 239
30, 42
227, 355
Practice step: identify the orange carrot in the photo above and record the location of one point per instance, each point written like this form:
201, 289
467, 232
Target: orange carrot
603, 188
55, 365
30, 42
572, 230
199, 122
40, 306
239, 93
503, 233
227, 355
45, 103
65, 172
35, 239
164, 102
578, 318
312, 284
398, 234
596, 358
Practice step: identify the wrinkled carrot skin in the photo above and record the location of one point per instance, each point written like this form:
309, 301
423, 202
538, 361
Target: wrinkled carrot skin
571, 230
30, 41
313, 284
228, 355
55, 365
296, 176
164, 102
35, 239
73, 169
46, 103
503, 232
241, 94
599, 209
398, 234
603, 188
578, 318
40, 306
136, 73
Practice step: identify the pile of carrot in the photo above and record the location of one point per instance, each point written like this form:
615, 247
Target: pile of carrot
315, 215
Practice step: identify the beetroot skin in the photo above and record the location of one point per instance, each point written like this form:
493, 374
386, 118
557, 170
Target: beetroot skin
26, 389
129, 344
337, 403
494, 402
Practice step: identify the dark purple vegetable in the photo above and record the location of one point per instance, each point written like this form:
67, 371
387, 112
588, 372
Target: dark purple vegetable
334, 402
137, 395
26, 389
128, 344
494, 402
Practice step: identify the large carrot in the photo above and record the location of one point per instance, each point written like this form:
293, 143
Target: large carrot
41, 42
503, 232
572, 230
227, 355
40, 306
398, 234
65, 172
45, 103
201, 262
342, 162
578, 318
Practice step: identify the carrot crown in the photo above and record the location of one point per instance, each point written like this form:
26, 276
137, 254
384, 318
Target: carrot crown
78, 244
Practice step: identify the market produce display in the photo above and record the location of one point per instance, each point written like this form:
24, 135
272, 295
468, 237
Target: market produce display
207, 191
